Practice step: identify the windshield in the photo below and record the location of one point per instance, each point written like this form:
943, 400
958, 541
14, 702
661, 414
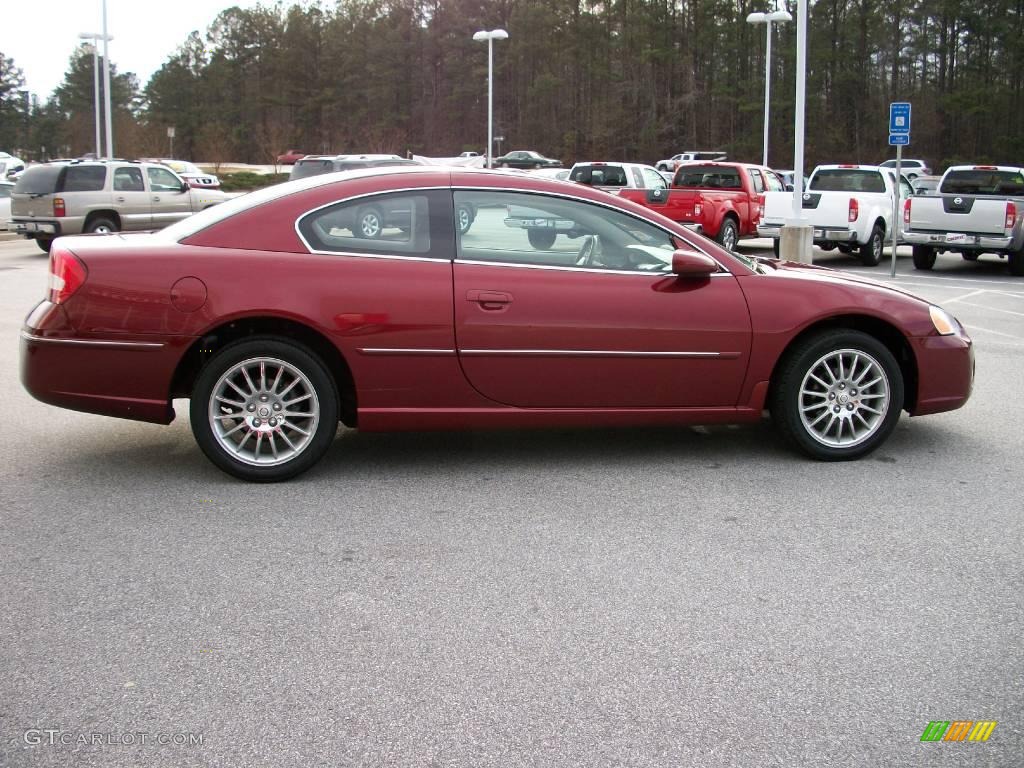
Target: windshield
847, 180
979, 181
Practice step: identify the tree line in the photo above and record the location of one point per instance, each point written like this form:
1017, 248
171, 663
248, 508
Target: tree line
615, 79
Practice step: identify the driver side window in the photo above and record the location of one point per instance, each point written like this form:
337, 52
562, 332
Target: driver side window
526, 229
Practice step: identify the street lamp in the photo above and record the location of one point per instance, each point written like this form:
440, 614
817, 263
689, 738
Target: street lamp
777, 17
92, 47
490, 37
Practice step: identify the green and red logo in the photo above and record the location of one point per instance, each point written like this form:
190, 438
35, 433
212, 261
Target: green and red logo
958, 730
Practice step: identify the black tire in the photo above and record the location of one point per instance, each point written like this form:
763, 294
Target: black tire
827, 245
541, 239
776, 246
970, 255
924, 257
464, 218
44, 243
1016, 260
870, 254
299, 358
788, 389
101, 225
729, 234
844, 248
369, 223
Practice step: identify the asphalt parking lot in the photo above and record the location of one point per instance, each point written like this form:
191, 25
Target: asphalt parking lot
699, 597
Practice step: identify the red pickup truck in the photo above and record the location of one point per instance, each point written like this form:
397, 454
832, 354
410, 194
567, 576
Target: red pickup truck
719, 200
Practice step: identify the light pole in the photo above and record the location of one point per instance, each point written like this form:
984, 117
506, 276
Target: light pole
777, 17
490, 37
797, 240
91, 47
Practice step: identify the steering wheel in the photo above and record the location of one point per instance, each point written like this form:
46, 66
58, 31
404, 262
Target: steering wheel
585, 256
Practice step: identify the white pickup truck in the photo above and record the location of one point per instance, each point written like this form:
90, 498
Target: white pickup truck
849, 207
978, 209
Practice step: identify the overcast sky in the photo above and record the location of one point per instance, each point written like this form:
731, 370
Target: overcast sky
41, 35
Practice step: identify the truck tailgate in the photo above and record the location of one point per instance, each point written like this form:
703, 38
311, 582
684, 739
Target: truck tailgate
31, 206
958, 213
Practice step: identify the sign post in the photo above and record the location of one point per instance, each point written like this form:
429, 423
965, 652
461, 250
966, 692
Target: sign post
899, 137
170, 140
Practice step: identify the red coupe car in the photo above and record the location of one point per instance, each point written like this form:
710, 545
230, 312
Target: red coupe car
283, 312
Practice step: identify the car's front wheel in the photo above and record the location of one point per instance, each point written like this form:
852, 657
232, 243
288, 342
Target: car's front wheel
101, 226
264, 409
837, 395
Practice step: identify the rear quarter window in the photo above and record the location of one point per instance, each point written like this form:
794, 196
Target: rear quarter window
84, 178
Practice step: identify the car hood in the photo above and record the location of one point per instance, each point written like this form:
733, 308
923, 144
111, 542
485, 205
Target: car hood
814, 273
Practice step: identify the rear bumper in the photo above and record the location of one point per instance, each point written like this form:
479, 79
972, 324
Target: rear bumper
124, 377
970, 242
821, 234
33, 228
945, 367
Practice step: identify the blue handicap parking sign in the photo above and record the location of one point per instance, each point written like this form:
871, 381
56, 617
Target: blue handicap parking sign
899, 117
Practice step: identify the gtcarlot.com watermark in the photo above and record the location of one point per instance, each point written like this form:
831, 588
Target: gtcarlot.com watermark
58, 737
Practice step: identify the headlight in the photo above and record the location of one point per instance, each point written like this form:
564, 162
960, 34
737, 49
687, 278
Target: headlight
944, 323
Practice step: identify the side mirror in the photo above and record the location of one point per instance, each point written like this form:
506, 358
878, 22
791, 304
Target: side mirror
184, 186
790, 187
692, 264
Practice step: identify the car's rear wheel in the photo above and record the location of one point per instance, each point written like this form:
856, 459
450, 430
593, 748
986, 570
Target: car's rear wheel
44, 243
264, 409
837, 395
970, 255
541, 239
728, 235
101, 226
844, 248
871, 252
924, 257
370, 222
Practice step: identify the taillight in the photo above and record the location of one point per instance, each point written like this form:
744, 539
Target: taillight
67, 274
854, 211
1011, 215
906, 211
760, 209
697, 209
58, 206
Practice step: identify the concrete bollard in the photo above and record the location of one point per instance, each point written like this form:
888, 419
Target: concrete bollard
797, 242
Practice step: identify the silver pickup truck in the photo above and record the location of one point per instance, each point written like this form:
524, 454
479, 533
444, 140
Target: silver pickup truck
978, 209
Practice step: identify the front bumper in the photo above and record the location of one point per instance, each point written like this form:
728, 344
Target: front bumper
945, 366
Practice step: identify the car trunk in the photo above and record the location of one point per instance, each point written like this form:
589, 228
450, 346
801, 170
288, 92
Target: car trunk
32, 194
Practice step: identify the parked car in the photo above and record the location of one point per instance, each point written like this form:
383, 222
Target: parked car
196, 177
925, 185
469, 154
849, 206
526, 159
561, 174
979, 209
5, 204
312, 165
909, 167
719, 200
10, 166
277, 325
68, 198
290, 156
612, 176
672, 163
789, 179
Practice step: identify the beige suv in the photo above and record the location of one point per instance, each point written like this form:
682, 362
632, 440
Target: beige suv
69, 198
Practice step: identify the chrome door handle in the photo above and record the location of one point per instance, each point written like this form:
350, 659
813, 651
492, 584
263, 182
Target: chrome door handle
119, 199
489, 299
156, 198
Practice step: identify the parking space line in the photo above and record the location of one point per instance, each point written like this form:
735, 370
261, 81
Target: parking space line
992, 309
966, 296
974, 328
